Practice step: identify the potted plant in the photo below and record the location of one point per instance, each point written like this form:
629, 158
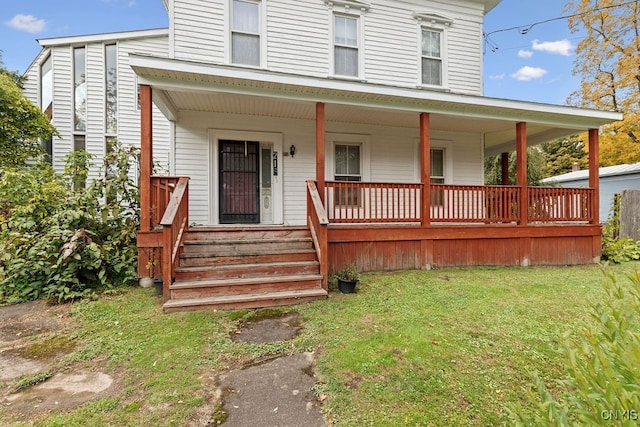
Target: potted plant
348, 277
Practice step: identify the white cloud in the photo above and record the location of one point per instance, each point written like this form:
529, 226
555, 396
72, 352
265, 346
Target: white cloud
497, 76
560, 47
27, 23
527, 73
525, 53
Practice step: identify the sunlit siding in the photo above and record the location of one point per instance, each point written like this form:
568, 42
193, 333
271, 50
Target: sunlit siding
392, 45
128, 112
32, 84
298, 37
62, 104
199, 33
95, 139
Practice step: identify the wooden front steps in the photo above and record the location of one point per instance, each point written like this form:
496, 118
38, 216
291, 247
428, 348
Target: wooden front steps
245, 267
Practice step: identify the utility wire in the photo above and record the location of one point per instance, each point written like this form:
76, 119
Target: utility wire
524, 29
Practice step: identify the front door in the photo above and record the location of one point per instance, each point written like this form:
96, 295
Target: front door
239, 182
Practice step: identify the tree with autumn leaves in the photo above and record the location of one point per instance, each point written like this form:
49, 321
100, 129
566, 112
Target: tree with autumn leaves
608, 62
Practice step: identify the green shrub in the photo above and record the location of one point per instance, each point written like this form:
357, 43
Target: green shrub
63, 244
602, 386
614, 248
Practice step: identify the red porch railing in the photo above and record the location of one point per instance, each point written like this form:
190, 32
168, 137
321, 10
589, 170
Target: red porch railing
559, 204
170, 210
161, 189
474, 203
368, 202
349, 201
317, 222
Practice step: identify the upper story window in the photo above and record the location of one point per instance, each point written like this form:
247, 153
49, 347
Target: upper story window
346, 36
80, 88
111, 88
245, 32
432, 41
431, 58
345, 46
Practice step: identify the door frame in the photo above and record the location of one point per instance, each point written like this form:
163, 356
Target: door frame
274, 138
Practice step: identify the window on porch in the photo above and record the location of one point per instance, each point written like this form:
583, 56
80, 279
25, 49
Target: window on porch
437, 175
347, 168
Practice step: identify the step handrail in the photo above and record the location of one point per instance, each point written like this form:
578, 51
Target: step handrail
318, 221
175, 224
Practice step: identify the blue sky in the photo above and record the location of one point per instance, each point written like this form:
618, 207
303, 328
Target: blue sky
535, 66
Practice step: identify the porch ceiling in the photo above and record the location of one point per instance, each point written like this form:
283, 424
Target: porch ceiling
190, 86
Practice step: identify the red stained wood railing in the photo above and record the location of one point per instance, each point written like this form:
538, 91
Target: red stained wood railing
317, 222
368, 202
557, 204
175, 224
162, 187
362, 202
474, 203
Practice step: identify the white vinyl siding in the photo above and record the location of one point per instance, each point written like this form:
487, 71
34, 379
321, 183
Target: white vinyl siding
298, 39
199, 30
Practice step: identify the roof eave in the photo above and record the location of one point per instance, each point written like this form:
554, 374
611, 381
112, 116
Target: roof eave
408, 98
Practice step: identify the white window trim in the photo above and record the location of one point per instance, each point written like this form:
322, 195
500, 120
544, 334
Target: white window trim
277, 139
437, 144
434, 22
357, 13
262, 5
364, 141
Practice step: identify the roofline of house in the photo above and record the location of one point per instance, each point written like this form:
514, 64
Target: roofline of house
103, 37
583, 174
231, 78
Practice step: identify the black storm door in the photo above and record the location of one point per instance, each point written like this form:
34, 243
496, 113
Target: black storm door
239, 182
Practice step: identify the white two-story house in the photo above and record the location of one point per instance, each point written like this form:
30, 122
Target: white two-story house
355, 128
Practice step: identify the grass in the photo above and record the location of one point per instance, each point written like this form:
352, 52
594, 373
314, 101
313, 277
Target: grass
442, 347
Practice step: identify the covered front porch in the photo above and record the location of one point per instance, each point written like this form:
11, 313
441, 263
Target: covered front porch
379, 225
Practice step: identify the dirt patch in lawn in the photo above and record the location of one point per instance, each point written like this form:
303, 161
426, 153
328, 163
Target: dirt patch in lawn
35, 374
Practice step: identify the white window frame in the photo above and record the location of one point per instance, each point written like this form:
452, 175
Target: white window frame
350, 9
364, 141
262, 33
437, 144
434, 22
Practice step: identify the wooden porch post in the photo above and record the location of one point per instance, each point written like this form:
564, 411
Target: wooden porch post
425, 167
505, 168
320, 149
521, 171
146, 157
594, 173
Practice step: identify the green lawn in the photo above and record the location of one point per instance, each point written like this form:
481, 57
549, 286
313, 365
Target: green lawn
442, 347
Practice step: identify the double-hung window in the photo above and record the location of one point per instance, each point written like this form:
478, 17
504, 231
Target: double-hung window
431, 57
345, 45
432, 41
245, 32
